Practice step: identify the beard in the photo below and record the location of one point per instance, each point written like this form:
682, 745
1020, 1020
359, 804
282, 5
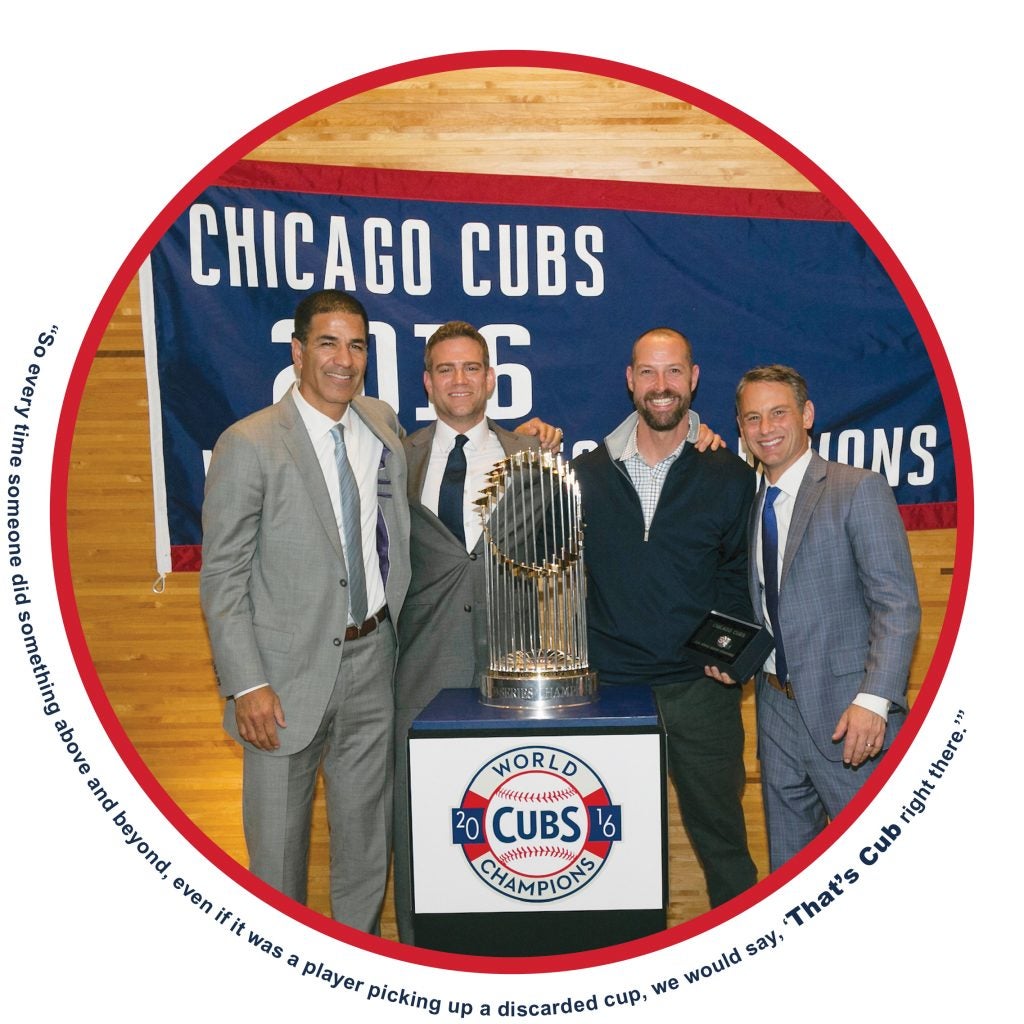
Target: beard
662, 419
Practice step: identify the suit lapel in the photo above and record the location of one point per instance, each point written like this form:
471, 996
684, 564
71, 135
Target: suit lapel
379, 429
811, 489
296, 440
754, 584
417, 457
391, 476
510, 441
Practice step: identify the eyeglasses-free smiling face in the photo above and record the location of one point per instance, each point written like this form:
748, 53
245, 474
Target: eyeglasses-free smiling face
332, 361
662, 378
458, 383
774, 430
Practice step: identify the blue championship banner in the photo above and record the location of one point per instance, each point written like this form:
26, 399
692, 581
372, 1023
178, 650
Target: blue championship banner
560, 276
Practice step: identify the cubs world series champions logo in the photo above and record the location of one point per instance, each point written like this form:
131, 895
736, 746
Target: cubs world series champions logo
536, 824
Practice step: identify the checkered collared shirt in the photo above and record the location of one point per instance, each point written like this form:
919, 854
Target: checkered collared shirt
648, 480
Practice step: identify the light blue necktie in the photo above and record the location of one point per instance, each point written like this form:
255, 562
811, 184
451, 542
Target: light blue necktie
351, 525
770, 557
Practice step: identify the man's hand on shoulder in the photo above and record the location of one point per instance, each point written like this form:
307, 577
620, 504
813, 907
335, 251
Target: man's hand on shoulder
259, 714
708, 439
550, 437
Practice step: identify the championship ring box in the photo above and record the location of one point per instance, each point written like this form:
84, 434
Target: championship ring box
735, 646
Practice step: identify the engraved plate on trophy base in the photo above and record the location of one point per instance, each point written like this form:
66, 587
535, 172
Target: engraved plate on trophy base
541, 693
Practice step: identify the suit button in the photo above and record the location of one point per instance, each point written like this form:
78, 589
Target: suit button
472, 557
337, 641
344, 583
467, 607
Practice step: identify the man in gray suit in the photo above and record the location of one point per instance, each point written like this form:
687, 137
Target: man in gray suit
830, 572
305, 562
442, 632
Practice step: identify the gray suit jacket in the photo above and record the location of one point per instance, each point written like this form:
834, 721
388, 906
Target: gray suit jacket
442, 633
271, 582
848, 601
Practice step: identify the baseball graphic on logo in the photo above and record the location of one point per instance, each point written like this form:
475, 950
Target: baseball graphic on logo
536, 823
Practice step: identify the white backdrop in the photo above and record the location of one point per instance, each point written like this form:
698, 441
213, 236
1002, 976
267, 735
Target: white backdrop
915, 120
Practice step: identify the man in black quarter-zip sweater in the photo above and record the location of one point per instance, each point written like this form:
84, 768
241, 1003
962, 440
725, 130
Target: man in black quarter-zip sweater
665, 534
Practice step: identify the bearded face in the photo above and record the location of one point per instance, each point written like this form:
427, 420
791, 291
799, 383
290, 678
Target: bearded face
662, 408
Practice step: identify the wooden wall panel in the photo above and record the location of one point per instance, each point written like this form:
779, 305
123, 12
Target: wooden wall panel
533, 121
150, 649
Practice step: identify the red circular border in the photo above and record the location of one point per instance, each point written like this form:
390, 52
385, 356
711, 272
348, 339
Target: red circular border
470, 61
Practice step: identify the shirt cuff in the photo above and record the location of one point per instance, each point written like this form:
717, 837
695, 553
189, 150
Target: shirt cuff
242, 693
880, 705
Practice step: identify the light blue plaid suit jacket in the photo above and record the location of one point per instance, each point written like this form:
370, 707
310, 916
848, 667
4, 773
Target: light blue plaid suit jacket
848, 603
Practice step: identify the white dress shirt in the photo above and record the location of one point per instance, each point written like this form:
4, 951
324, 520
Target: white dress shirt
789, 485
483, 450
364, 450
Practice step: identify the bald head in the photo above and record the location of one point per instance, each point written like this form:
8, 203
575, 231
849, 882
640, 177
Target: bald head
663, 337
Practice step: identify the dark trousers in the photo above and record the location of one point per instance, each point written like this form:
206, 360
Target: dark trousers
705, 758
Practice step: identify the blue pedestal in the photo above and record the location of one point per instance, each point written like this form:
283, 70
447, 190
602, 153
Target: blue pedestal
536, 836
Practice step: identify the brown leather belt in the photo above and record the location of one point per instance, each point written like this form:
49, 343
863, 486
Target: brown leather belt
355, 632
783, 687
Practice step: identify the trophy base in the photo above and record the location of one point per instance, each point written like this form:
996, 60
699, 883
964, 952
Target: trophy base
540, 694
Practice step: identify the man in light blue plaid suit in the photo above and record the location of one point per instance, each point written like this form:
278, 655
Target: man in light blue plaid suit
831, 575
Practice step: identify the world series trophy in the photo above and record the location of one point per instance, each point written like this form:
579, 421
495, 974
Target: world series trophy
536, 587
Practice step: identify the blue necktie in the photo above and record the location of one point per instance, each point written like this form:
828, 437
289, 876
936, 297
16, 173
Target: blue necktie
770, 558
450, 500
351, 527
